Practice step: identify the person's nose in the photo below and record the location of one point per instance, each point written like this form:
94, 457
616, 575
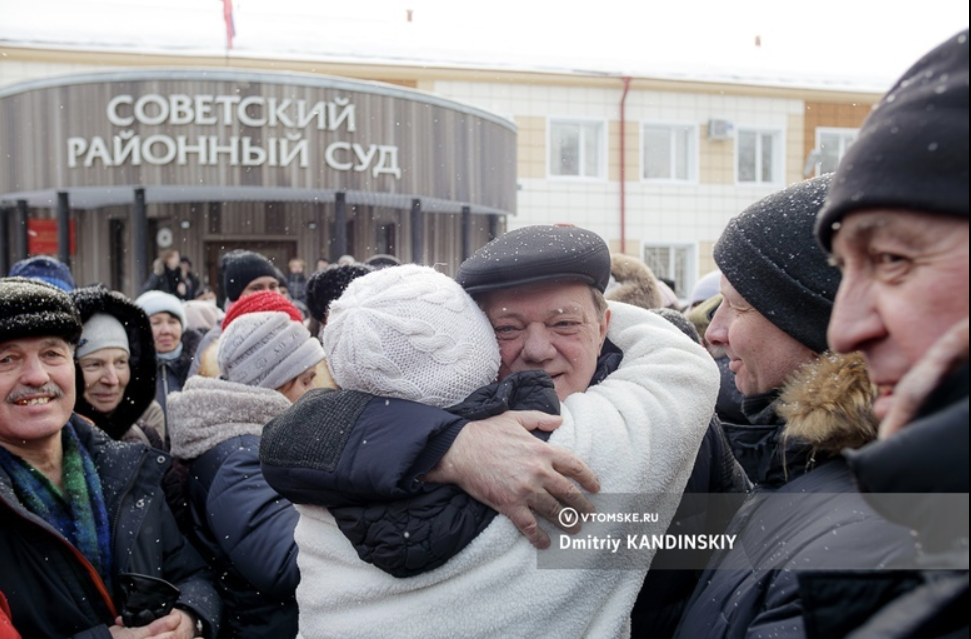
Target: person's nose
855, 320
717, 332
537, 344
109, 377
34, 373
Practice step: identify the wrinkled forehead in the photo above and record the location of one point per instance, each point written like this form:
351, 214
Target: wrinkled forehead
554, 297
921, 229
36, 342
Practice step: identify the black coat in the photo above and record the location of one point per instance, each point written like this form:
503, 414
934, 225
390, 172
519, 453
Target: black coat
919, 479
52, 589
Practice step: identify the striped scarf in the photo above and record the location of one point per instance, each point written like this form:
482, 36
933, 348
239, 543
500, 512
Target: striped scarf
79, 512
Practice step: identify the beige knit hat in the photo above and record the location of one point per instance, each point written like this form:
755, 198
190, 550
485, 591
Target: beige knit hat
410, 332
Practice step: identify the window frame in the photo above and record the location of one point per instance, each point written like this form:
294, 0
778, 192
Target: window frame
779, 149
690, 264
601, 149
692, 151
842, 132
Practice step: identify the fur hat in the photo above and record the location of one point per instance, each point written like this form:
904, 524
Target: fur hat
912, 151
326, 285
240, 267
537, 254
153, 302
769, 254
410, 332
45, 269
102, 331
261, 302
266, 350
633, 282
32, 308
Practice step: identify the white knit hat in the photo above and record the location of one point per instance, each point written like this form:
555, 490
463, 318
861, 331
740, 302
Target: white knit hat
102, 331
153, 302
267, 350
410, 332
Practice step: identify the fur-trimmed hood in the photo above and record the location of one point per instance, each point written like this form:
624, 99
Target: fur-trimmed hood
635, 283
828, 404
141, 387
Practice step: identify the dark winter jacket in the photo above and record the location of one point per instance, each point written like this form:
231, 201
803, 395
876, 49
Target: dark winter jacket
919, 479
54, 591
139, 393
410, 536
242, 526
167, 280
805, 513
172, 373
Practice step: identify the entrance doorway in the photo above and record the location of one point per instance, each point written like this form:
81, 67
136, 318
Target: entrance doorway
279, 253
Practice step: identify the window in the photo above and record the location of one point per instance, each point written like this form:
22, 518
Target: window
831, 145
670, 152
577, 148
674, 262
759, 156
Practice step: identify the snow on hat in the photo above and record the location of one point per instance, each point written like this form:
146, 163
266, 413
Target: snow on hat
45, 269
241, 267
153, 302
261, 302
537, 254
769, 254
32, 308
410, 332
102, 331
912, 150
267, 350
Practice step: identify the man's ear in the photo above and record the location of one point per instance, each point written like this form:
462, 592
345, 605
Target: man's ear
603, 326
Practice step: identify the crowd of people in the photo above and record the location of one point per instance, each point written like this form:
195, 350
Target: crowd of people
379, 450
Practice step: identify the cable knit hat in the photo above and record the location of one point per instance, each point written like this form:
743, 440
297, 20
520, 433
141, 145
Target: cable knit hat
326, 285
46, 269
153, 302
266, 350
261, 302
240, 267
102, 331
912, 151
769, 254
410, 332
31, 308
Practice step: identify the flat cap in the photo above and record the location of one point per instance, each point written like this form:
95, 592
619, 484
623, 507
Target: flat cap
537, 254
32, 308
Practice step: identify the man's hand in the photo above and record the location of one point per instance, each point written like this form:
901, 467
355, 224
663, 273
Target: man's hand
499, 463
946, 355
178, 624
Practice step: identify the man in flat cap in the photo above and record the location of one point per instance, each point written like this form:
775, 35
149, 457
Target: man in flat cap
896, 224
79, 509
636, 395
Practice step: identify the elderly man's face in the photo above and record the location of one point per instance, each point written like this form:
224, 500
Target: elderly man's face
36, 389
905, 281
761, 354
106, 374
552, 326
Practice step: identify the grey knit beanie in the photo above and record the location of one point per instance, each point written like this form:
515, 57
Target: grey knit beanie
266, 350
102, 331
410, 332
769, 254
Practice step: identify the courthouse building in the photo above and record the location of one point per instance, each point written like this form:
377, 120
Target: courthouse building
109, 157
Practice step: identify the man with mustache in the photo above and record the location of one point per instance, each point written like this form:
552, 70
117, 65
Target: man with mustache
79, 509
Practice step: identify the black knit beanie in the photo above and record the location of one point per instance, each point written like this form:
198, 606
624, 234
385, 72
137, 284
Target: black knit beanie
242, 267
912, 151
31, 308
326, 285
769, 254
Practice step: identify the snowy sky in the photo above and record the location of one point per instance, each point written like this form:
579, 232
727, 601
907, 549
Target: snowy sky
864, 41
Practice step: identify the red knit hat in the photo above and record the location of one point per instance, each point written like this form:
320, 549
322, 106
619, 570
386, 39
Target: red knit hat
260, 302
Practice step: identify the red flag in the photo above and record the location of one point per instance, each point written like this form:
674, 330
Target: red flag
228, 19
